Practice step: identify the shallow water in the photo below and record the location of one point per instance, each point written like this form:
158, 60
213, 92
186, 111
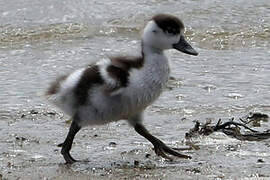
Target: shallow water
41, 40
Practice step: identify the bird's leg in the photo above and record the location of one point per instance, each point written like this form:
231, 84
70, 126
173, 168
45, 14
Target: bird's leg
67, 144
160, 148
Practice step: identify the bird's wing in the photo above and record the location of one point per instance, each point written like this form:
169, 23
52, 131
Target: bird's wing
116, 76
118, 72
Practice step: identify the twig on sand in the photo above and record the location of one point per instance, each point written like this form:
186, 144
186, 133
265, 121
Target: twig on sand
232, 128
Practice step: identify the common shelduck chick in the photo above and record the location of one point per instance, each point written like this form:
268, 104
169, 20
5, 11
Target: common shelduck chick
121, 88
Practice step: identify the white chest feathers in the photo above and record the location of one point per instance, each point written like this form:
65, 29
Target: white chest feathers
147, 83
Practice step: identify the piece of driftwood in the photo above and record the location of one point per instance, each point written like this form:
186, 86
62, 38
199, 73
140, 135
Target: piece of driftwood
239, 130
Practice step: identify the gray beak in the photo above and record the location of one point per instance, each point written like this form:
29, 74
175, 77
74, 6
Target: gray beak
185, 47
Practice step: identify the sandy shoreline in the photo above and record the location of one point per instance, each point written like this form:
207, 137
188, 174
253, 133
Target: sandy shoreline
28, 151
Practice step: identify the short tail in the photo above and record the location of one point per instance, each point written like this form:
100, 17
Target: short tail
55, 86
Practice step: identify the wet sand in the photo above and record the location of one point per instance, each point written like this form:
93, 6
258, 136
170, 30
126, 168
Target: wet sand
33, 154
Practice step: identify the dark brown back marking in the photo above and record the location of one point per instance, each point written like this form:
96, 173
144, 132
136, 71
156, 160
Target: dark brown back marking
121, 66
90, 77
169, 23
54, 87
119, 74
127, 63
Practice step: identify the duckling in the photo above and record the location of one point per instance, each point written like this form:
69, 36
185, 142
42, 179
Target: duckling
120, 88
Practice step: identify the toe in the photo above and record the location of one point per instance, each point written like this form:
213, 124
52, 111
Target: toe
68, 158
175, 153
60, 145
160, 152
182, 149
66, 154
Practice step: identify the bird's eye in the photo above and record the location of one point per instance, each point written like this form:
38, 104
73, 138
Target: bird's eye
154, 31
171, 31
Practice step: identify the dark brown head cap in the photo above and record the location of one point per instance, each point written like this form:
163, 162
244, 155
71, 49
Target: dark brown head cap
169, 23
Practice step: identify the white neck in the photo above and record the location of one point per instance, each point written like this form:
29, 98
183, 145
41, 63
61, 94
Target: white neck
151, 50
156, 65
146, 84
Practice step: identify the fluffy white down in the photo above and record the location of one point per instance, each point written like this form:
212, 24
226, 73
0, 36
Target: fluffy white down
64, 98
144, 87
